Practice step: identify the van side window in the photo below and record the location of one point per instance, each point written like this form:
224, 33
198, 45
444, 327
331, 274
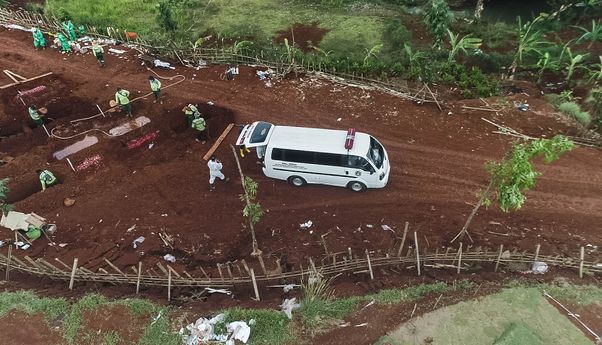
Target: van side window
332, 159
358, 162
294, 156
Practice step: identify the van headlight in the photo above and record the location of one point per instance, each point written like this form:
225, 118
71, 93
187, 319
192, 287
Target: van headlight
382, 176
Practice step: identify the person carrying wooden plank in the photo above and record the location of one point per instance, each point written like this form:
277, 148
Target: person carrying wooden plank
38, 39
122, 98
98, 52
155, 85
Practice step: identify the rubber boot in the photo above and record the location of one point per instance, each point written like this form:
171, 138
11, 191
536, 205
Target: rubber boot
242, 153
246, 149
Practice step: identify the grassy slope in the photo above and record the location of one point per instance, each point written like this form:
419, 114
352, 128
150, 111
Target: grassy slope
514, 316
350, 31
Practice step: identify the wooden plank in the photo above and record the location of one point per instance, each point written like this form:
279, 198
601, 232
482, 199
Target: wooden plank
138, 279
15, 75
10, 255
218, 142
7, 72
25, 81
114, 267
162, 268
72, 279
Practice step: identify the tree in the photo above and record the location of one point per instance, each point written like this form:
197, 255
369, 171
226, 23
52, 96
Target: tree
4, 207
437, 19
515, 174
165, 16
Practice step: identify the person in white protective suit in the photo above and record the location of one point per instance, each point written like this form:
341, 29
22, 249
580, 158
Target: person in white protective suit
215, 170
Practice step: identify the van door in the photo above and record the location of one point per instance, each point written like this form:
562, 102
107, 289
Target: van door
256, 134
359, 168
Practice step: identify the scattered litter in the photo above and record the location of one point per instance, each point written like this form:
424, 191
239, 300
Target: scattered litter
288, 305
240, 331
598, 265
139, 241
2, 243
156, 318
131, 228
62, 245
521, 106
150, 146
339, 119
159, 63
204, 331
164, 215
25, 246
288, 287
369, 304
68, 202
169, 258
539, 267
362, 325
306, 225
210, 103
369, 226
385, 227
265, 74
116, 51
224, 291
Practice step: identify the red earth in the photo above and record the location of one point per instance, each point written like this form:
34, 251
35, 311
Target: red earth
437, 158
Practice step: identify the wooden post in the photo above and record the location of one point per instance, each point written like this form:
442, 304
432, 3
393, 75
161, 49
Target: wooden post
499, 256
536, 253
255, 285
417, 253
262, 264
369, 265
581, 257
403, 238
459, 258
350, 253
219, 269
73, 274
138, 279
10, 256
168, 285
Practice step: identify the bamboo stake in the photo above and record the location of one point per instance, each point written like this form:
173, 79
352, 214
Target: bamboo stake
459, 258
536, 253
417, 253
219, 268
255, 285
168, 285
10, 255
403, 238
370, 265
138, 278
113, 266
262, 264
72, 279
581, 257
499, 256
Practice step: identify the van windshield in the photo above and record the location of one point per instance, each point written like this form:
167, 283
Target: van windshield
376, 153
260, 132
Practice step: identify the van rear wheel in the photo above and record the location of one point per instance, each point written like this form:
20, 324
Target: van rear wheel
297, 181
356, 186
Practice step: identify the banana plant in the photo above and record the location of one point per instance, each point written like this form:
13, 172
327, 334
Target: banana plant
372, 53
461, 44
593, 35
573, 62
529, 40
320, 50
595, 74
414, 58
547, 62
239, 46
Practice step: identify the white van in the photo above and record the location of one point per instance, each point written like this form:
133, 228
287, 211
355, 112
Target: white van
303, 155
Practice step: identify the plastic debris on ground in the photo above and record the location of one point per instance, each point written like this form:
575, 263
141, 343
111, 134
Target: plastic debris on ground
288, 305
521, 106
159, 63
169, 258
224, 291
306, 225
539, 267
138, 242
289, 287
116, 51
385, 227
16, 27
203, 331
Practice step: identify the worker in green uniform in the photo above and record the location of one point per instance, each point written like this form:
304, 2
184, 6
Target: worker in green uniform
35, 115
191, 112
82, 30
47, 178
155, 85
122, 98
38, 39
70, 29
33, 233
200, 125
99, 52
65, 46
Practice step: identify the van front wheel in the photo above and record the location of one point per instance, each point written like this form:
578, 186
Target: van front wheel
356, 186
297, 181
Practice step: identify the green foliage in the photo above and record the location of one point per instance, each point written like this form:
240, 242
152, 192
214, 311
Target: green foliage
30, 303
573, 62
438, 18
578, 294
515, 173
73, 320
4, 207
594, 101
252, 209
546, 62
517, 333
159, 331
574, 111
593, 35
270, 328
415, 60
372, 53
34, 7
139, 306
530, 39
473, 83
111, 338
165, 16
461, 44
595, 73
314, 311
396, 35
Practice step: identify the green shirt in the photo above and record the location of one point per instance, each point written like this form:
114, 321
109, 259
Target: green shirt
97, 49
47, 178
155, 85
121, 97
199, 124
33, 113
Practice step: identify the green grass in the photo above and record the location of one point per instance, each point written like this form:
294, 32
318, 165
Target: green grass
271, 326
519, 315
30, 303
573, 110
159, 331
74, 320
111, 338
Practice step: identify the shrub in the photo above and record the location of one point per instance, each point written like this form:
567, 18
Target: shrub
437, 19
165, 17
594, 101
472, 83
34, 7
396, 35
573, 110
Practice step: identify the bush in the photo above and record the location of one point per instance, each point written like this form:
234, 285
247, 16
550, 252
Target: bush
396, 35
165, 17
472, 83
594, 101
573, 110
437, 19
34, 7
